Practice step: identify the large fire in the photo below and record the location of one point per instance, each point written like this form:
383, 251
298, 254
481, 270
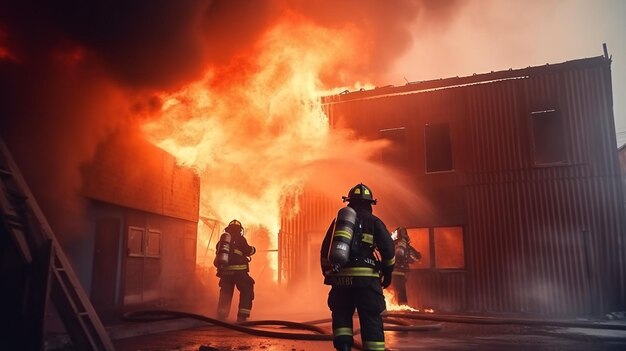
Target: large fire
251, 130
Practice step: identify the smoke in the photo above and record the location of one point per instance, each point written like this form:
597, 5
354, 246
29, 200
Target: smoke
73, 72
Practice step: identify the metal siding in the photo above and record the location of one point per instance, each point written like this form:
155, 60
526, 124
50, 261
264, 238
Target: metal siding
307, 227
445, 292
525, 225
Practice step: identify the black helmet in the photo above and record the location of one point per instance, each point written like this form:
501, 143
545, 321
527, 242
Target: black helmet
360, 192
235, 225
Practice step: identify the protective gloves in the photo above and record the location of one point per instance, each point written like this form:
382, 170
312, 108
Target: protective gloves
386, 276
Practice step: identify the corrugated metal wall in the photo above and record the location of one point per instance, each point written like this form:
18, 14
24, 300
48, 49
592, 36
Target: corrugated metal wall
538, 239
301, 236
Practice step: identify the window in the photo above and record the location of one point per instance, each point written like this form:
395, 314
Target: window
135, 241
548, 137
441, 247
420, 240
438, 148
448, 245
395, 154
142, 244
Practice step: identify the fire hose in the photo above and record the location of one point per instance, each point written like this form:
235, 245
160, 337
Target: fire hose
320, 334
395, 321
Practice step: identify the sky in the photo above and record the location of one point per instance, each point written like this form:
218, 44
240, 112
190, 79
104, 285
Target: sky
493, 35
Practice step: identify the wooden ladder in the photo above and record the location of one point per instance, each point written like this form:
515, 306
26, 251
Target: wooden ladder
35, 242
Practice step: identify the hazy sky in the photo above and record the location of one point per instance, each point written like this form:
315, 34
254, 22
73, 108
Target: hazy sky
492, 35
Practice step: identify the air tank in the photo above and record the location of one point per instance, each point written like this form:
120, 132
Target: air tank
223, 250
339, 252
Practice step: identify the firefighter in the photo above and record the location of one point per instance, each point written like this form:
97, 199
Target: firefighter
350, 265
232, 258
405, 255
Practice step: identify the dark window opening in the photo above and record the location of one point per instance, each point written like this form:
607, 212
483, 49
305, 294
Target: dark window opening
438, 148
395, 154
548, 137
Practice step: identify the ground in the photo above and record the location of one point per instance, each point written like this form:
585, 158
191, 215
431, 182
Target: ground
451, 336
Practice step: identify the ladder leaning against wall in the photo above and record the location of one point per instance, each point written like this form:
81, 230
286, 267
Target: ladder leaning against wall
42, 270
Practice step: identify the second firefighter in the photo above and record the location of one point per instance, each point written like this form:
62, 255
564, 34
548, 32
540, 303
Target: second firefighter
232, 262
405, 256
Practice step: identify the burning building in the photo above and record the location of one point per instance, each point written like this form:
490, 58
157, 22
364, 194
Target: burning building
519, 178
142, 215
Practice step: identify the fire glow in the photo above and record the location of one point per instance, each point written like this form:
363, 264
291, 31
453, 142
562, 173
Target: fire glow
251, 130
390, 300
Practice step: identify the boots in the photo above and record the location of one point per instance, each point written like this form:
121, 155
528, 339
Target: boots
343, 347
241, 318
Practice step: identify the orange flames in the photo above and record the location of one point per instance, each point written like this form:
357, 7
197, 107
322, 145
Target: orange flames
390, 300
252, 130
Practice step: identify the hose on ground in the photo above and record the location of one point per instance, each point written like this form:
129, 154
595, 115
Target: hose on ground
502, 321
244, 327
142, 314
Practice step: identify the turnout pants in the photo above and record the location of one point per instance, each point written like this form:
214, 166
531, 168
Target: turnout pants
369, 302
398, 283
245, 285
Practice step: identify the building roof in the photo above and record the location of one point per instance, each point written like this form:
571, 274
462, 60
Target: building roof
443, 83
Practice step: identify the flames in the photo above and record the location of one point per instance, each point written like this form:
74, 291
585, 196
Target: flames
253, 129
390, 300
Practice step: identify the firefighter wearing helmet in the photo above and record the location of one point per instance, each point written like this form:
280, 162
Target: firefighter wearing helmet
350, 265
405, 256
231, 259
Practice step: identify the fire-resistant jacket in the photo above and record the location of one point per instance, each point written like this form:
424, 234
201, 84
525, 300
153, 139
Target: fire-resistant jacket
238, 256
362, 266
410, 256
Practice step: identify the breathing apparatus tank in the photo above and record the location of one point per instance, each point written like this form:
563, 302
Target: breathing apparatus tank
223, 250
401, 249
345, 223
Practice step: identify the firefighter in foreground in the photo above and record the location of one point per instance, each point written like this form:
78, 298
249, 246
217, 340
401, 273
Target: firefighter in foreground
357, 276
405, 256
232, 256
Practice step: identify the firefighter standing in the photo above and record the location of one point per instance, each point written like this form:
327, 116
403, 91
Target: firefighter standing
405, 255
350, 266
232, 258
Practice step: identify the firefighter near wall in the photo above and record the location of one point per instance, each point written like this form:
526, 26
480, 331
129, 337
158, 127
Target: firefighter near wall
357, 260
232, 262
405, 256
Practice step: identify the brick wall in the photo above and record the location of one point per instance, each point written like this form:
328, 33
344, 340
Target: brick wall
133, 173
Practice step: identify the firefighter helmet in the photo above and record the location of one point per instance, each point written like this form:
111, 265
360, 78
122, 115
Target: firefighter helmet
235, 225
360, 192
